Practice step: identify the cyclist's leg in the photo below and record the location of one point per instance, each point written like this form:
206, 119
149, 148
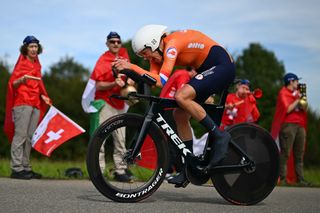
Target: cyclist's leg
183, 125
203, 85
184, 130
211, 81
174, 152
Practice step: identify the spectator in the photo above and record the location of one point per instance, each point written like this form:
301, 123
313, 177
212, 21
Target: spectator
105, 83
26, 103
240, 106
289, 126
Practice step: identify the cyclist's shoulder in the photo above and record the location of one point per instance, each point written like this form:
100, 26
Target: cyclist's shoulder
188, 39
182, 35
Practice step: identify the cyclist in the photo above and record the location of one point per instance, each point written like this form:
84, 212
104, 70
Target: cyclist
215, 68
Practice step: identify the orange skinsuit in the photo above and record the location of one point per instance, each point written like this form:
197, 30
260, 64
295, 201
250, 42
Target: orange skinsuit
184, 48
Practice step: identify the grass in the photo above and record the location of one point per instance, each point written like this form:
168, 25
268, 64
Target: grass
49, 169
56, 170
313, 176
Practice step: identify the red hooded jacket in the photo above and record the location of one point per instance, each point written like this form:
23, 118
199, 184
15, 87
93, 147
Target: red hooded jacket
28, 93
103, 72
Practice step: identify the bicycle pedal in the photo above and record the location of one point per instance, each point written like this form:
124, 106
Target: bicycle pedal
202, 170
182, 185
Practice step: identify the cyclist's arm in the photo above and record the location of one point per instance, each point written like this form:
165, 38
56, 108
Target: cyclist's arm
161, 75
152, 73
170, 55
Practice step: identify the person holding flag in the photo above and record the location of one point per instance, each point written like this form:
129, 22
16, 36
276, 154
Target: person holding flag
289, 128
96, 100
26, 103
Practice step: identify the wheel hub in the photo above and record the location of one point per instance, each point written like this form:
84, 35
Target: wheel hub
250, 168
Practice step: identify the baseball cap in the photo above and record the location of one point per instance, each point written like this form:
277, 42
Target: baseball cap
290, 77
113, 34
30, 39
245, 81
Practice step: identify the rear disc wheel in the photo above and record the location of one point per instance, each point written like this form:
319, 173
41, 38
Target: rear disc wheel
254, 183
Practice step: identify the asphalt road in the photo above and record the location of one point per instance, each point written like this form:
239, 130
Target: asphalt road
81, 196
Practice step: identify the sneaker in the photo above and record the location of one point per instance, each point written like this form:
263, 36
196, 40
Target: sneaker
303, 183
179, 180
122, 178
283, 182
34, 175
23, 175
129, 173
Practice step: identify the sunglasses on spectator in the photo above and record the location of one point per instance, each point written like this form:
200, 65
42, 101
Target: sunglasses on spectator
114, 41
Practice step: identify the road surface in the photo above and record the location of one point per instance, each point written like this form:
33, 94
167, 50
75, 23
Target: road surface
81, 196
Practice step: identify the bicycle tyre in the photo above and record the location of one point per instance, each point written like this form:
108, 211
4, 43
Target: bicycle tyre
249, 187
140, 189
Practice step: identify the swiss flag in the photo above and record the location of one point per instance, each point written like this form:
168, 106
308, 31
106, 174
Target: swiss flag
55, 129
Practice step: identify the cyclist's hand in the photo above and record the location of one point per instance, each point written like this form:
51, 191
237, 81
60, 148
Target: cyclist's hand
121, 64
130, 81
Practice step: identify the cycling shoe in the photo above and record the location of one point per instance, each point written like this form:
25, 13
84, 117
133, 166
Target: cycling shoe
180, 180
220, 148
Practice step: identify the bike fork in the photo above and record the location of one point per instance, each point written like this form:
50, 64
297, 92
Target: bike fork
142, 134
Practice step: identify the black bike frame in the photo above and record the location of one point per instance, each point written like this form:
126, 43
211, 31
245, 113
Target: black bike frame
157, 105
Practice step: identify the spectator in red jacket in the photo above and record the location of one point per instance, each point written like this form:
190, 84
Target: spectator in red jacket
240, 106
26, 103
104, 83
289, 128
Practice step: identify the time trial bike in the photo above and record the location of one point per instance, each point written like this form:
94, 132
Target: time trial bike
246, 176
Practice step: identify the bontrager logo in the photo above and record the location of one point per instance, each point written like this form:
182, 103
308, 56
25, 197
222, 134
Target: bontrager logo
144, 191
196, 45
174, 137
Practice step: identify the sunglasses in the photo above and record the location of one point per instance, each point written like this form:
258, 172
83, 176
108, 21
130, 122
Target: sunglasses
114, 41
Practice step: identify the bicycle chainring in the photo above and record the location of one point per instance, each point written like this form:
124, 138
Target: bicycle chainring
196, 177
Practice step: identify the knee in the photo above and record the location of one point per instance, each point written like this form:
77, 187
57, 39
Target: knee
180, 97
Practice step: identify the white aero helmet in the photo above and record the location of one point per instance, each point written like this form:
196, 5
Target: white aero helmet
148, 36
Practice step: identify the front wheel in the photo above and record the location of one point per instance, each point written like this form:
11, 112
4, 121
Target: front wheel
146, 172
250, 185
